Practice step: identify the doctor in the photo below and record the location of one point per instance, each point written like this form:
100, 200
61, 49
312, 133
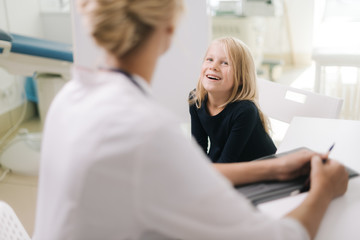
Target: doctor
115, 165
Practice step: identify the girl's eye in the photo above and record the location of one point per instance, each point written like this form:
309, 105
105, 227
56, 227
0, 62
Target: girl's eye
209, 59
225, 63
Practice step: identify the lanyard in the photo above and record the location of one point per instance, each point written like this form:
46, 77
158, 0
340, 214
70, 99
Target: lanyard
130, 77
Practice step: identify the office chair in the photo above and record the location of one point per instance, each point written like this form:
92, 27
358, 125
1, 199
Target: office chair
10, 225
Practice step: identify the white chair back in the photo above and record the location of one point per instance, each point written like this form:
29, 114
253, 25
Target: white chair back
282, 102
10, 225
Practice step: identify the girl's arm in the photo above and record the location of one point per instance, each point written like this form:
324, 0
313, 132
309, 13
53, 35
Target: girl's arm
285, 167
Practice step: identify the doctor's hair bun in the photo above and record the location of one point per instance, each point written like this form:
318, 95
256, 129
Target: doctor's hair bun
120, 26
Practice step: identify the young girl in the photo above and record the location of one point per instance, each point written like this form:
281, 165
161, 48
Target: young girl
224, 105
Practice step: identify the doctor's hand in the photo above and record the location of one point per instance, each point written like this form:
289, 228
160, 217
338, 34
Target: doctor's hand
328, 180
328, 177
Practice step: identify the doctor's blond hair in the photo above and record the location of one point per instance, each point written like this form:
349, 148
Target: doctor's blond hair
120, 26
244, 74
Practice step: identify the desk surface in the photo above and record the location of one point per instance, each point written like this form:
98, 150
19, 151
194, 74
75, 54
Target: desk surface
319, 134
341, 219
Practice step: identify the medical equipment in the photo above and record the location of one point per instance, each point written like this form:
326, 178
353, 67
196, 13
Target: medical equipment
50, 63
21, 155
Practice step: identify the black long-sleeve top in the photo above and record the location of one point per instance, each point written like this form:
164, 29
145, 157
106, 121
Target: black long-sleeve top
236, 134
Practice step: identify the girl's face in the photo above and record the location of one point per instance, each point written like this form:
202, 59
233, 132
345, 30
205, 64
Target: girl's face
217, 71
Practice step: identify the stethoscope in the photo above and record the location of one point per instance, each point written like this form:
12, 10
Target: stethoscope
129, 76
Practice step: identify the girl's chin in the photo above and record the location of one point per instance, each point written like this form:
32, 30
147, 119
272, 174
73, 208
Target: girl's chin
210, 83
211, 89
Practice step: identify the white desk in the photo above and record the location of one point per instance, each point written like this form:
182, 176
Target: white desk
341, 221
319, 134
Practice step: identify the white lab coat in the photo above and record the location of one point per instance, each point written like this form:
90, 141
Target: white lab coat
116, 165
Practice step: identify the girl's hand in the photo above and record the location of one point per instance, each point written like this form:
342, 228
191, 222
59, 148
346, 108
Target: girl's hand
293, 164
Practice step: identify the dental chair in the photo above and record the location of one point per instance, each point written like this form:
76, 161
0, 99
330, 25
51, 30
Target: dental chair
24, 55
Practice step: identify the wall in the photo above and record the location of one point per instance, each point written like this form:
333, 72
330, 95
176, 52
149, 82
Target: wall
86, 53
3, 16
62, 19
24, 17
178, 70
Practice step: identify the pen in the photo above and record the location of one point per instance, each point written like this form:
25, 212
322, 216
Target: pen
306, 185
331, 148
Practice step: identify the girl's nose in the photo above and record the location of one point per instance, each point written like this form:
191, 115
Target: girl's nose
214, 66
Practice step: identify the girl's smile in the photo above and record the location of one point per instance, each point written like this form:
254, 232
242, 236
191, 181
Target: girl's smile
217, 73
